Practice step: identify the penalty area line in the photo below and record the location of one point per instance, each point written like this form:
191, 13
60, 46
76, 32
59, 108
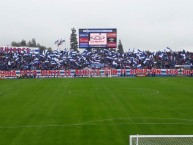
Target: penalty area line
104, 124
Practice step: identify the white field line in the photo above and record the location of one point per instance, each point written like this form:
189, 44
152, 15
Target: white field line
94, 123
148, 91
151, 92
113, 119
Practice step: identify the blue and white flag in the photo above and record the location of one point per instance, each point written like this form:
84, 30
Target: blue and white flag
59, 42
167, 49
56, 42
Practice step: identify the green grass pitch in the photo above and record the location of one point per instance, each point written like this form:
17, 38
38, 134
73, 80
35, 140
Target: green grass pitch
93, 111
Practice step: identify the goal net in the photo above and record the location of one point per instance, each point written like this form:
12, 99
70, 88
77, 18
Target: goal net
161, 139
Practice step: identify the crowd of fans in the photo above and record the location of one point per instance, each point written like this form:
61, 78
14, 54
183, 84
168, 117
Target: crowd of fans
94, 58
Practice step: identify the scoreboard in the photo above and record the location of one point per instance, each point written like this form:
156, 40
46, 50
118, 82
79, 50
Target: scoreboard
98, 38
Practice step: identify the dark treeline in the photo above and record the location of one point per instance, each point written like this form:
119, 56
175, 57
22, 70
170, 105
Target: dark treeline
30, 43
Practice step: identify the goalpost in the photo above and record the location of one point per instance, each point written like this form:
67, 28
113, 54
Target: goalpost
161, 139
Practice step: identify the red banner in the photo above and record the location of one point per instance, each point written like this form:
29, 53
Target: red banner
96, 72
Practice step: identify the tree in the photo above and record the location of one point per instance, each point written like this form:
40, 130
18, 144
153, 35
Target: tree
19, 44
49, 49
73, 40
120, 47
41, 47
13, 43
32, 43
23, 43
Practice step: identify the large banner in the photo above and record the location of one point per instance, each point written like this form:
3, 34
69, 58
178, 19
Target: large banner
95, 73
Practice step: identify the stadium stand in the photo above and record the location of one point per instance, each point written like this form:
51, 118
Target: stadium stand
95, 58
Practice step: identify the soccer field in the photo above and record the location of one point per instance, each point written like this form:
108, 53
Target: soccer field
93, 111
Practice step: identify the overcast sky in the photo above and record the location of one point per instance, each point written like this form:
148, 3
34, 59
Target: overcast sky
146, 24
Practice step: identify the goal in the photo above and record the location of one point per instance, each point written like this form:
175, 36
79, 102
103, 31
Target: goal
161, 139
